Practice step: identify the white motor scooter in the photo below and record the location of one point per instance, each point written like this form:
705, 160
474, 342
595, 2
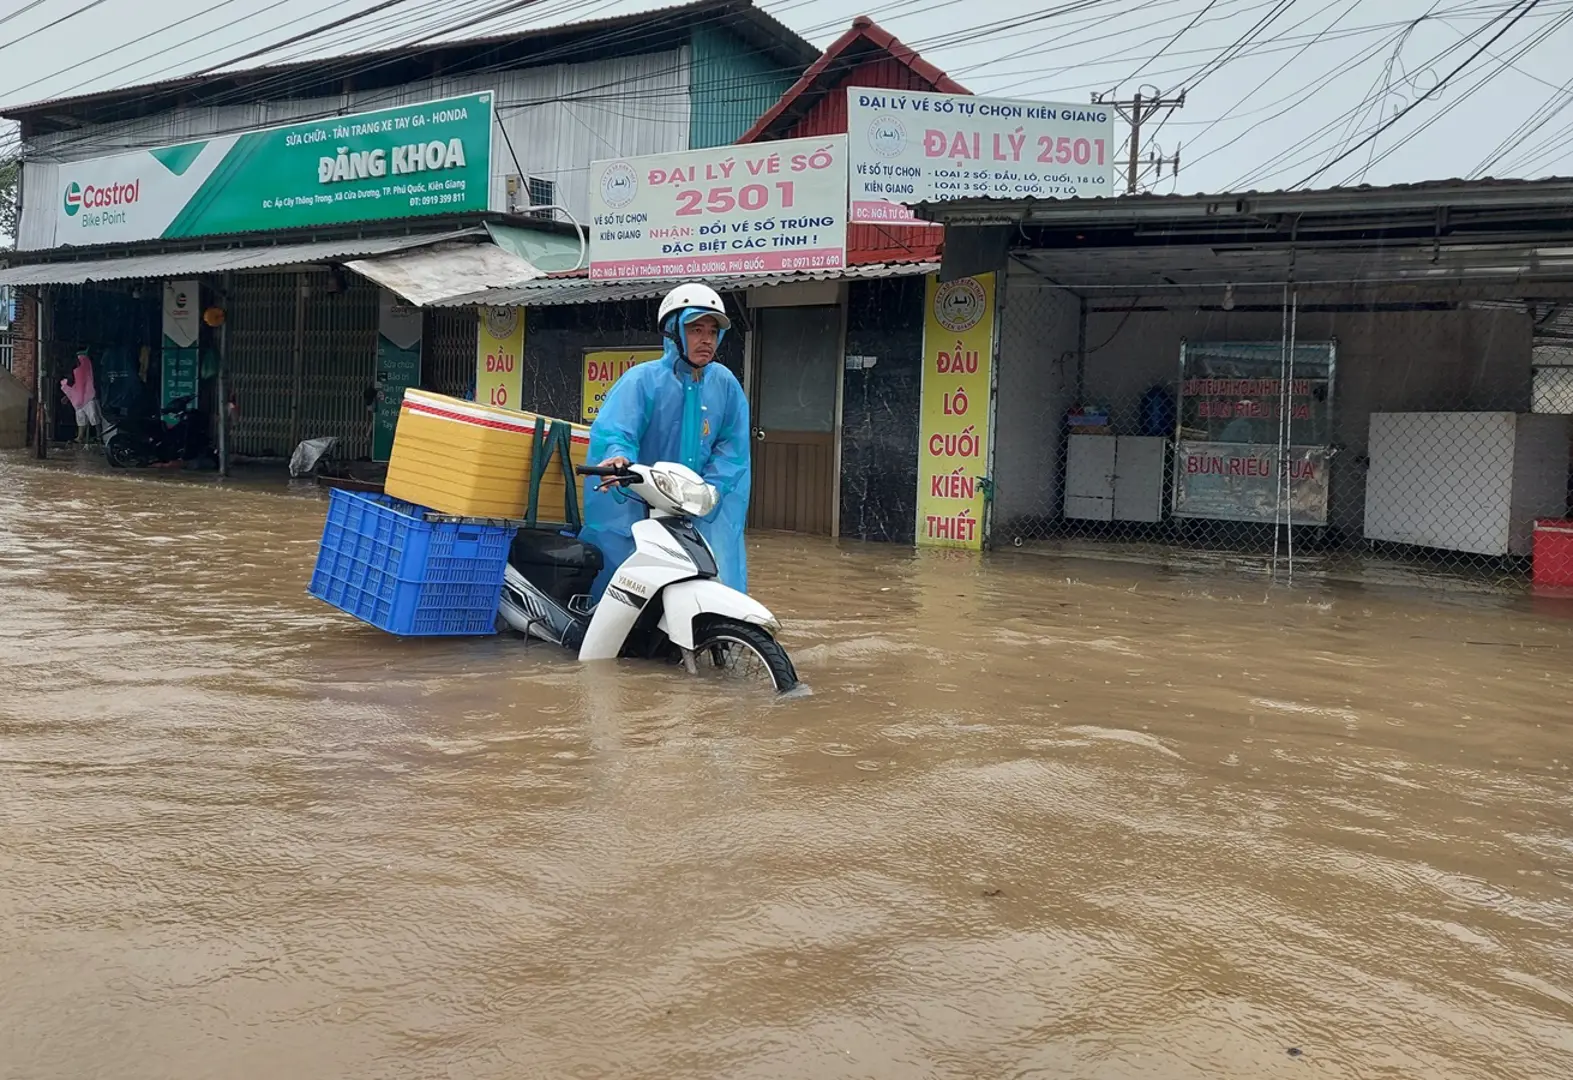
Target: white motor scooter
663, 602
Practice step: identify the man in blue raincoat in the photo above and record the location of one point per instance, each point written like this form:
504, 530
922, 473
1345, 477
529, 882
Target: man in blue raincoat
683, 408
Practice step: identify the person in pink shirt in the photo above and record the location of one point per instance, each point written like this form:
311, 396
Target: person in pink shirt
83, 396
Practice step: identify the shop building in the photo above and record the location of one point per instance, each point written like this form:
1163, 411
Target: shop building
1374, 371
294, 226
831, 359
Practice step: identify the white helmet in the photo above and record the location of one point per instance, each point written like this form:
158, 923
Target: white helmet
694, 295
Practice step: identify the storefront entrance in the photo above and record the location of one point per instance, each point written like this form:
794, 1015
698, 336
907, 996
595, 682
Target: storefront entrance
796, 373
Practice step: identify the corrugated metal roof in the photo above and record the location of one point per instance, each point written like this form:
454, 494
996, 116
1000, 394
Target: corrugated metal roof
1364, 197
558, 291
769, 33
175, 263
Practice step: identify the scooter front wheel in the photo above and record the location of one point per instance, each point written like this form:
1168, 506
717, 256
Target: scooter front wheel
743, 651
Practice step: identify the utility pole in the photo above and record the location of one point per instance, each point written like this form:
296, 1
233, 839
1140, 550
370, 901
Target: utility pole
1136, 111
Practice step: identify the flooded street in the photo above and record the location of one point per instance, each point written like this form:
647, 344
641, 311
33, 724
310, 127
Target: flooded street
1039, 818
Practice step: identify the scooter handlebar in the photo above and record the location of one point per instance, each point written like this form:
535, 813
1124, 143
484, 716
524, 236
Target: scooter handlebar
609, 477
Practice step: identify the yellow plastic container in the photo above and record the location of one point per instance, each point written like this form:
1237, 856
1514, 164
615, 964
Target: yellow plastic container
473, 460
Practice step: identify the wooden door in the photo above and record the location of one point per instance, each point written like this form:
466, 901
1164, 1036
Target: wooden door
797, 370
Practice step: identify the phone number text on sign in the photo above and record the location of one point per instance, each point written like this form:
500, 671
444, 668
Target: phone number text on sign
729, 210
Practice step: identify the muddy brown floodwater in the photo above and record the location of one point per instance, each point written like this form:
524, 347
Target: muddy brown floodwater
1039, 818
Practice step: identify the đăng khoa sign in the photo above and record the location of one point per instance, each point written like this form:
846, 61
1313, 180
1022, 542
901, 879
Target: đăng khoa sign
765, 208
404, 162
907, 147
602, 369
953, 436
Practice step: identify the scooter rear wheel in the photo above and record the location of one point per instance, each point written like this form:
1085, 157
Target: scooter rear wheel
121, 454
743, 651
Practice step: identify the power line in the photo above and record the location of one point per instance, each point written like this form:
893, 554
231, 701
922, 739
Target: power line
1283, 160
1503, 65
354, 17
89, 6
366, 63
1235, 49
21, 11
1251, 94
1060, 41
1528, 6
144, 37
1282, 43
258, 90
1172, 41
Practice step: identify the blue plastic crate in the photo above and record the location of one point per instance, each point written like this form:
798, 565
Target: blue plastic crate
382, 563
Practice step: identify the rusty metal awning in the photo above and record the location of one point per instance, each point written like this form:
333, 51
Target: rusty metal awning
431, 274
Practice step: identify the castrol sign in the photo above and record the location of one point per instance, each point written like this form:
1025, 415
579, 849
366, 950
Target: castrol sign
410, 161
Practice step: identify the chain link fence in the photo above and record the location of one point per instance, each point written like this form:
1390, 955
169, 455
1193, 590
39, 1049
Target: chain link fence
1419, 441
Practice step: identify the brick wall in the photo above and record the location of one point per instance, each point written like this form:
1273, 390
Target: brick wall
24, 342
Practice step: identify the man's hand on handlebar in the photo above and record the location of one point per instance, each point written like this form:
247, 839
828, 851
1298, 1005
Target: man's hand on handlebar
613, 472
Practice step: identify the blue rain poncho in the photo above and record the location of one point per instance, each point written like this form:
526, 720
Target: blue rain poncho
659, 411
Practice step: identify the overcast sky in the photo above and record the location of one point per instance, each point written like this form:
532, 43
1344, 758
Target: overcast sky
1276, 89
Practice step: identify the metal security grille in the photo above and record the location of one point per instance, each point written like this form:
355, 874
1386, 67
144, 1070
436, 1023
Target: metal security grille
1412, 442
5, 350
260, 367
338, 384
448, 357
1553, 389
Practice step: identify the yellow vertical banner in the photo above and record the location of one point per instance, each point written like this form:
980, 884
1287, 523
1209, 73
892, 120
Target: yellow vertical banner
953, 444
499, 358
602, 368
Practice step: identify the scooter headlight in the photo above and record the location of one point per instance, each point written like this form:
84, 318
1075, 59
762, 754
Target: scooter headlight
667, 485
698, 499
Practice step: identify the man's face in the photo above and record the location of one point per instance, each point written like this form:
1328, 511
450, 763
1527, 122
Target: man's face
703, 335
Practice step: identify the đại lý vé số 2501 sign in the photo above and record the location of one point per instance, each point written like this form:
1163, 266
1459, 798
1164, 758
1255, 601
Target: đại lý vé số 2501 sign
777, 207
403, 162
908, 147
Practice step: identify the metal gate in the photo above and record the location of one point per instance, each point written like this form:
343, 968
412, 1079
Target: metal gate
338, 383
302, 362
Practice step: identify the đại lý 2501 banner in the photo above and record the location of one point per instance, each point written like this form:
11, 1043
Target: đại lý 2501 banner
908, 147
750, 209
408, 161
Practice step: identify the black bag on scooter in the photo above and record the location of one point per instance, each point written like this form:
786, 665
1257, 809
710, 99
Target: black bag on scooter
560, 566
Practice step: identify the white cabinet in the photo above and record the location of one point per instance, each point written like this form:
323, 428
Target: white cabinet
1115, 477
1472, 482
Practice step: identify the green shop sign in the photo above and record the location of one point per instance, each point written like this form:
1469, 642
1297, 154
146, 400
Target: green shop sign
410, 161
